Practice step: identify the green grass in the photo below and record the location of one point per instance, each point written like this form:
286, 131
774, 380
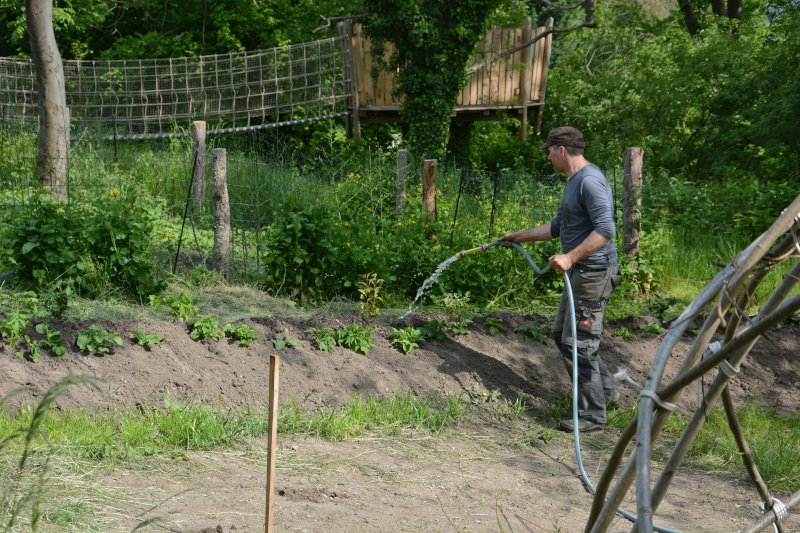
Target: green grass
772, 438
172, 428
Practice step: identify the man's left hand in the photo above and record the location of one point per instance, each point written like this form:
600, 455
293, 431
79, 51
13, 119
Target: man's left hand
561, 263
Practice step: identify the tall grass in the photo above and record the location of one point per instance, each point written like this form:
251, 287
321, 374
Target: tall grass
772, 438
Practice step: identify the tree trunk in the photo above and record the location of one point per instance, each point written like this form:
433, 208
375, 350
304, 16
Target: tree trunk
735, 9
51, 163
718, 7
692, 26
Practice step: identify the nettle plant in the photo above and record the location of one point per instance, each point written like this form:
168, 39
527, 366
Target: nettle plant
86, 247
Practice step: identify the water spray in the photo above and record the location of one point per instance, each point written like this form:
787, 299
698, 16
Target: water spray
568, 286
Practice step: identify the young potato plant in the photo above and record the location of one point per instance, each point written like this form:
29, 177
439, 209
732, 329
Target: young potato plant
280, 342
356, 338
243, 333
324, 337
435, 329
145, 339
206, 327
625, 334
407, 338
53, 341
534, 333
459, 327
96, 338
495, 325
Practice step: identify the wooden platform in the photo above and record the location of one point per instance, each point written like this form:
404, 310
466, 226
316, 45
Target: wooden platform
498, 87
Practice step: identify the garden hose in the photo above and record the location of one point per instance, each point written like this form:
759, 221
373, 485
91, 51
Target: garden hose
576, 433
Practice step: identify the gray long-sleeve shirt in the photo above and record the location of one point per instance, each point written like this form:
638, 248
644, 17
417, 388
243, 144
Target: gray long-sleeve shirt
587, 205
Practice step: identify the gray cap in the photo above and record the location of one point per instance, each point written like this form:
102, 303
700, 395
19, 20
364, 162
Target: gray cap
564, 136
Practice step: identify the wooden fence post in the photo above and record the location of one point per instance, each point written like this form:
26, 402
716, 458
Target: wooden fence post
199, 148
400, 184
631, 202
222, 211
429, 188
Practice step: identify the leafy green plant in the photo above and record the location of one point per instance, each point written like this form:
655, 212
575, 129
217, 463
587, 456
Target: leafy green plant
145, 339
435, 329
53, 339
88, 247
356, 337
368, 292
495, 325
625, 334
535, 333
180, 305
652, 327
96, 338
459, 327
324, 337
456, 304
206, 327
407, 338
280, 342
242, 333
16, 322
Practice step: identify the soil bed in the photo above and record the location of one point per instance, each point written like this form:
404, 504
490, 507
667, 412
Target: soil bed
466, 479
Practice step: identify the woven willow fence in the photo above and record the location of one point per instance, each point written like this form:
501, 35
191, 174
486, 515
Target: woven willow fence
733, 289
152, 96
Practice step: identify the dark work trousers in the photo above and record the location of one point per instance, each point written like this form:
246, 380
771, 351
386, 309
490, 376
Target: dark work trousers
591, 289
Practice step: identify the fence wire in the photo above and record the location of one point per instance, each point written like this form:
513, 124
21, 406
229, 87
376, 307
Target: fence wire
266, 177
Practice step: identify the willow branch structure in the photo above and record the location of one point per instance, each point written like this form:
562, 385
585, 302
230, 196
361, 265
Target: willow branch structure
731, 290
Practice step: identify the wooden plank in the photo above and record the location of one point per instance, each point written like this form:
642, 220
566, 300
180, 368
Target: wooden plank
536, 66
545, 63
517, 64
525, 84
369, 84
486, 82
358, 57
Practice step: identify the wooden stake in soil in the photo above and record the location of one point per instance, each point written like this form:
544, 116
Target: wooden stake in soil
272, 438
400, 184
429, 188
222, 211
199, 148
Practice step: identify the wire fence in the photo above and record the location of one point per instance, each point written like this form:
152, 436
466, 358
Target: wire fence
125, 98
265, 177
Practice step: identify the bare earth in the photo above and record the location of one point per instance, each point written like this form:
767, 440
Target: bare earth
483, 476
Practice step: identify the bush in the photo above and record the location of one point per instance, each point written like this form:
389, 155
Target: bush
87, 248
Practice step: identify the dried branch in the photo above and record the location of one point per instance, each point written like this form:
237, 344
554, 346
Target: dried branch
328, 20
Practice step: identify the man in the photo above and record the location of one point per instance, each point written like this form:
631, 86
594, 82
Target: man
585, 224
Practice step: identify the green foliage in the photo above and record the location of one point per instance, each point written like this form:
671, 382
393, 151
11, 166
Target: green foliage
206, 327
17, 321
535, 333
324, 337
356, 337
407, 338
459, 327
435, 329
96, 339
625, 334
242, 333
652, 327
456, 304
145, 339
495, 325
86, 248
368, 292
180, 305
53, 339
434, 41
280, 342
